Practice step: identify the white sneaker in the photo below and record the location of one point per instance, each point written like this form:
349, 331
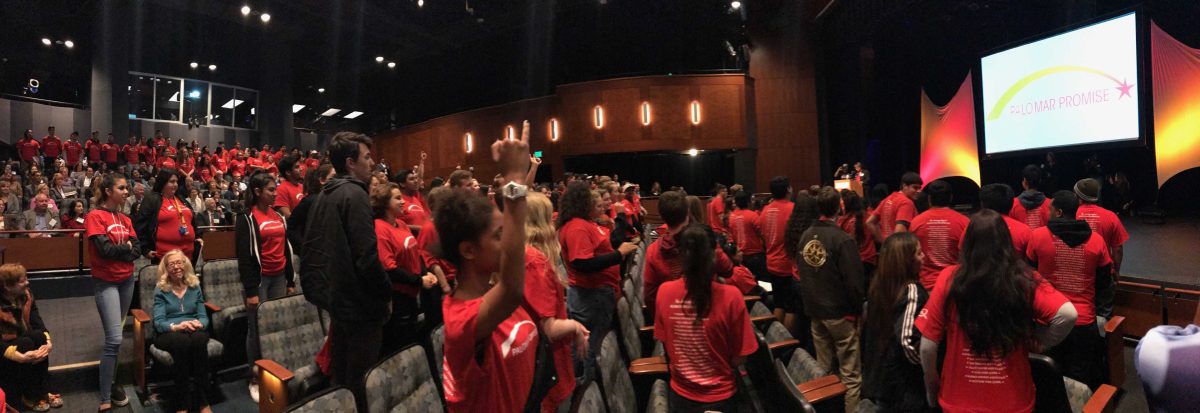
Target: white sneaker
254, 392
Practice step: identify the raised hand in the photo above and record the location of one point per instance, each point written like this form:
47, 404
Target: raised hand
513, 156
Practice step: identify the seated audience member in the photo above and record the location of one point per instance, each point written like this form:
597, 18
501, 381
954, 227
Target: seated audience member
663, 258
704, 327
25, 343
401, 258
985, 309
744, 232
593, 266
891, 363
1167, 360
999, 198
895, 213
214, 215
831, 287
484, 315
1102, 221
1075, 261
73, 218
940, 230
41, 217
741, 278
181, 322
137, 194
1032, 206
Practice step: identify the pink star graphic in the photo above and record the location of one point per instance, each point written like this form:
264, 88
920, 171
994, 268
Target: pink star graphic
1124, 88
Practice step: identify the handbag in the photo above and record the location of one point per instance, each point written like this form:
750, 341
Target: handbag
545, 375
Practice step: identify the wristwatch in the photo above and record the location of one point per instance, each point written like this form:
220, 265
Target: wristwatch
514, 191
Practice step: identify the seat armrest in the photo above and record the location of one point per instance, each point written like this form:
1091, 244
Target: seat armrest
648, 360
139, 315
141, 321
649, 370
763, 318
1114, 343
826, 393
275, 370
818, 383
1104, 400
751, 299
272, 386
783, 346
212, 308
1114, 325
645, 329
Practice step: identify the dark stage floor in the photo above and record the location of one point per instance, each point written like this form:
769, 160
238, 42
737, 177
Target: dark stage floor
1169, 253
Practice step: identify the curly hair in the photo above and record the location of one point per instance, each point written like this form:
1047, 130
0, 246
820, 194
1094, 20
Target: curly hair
804, 213
576, 202
380, 198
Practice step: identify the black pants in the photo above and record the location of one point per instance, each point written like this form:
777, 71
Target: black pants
402, 329
680, 404
354, 348
1081, 355
190, 352
24, 380
431, 306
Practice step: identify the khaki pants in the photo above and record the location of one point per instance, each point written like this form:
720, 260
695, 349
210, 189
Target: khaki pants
840, 336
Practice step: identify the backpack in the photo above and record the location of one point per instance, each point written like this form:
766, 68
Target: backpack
314, 278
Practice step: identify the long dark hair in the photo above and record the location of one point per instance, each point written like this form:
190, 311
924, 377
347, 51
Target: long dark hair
312, 181
104, 182
258, 180
897, 269
853, 204
992, 290
804, 213
576, 202
696, 254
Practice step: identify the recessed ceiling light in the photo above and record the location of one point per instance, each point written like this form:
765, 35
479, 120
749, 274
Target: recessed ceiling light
174, 97
331, 112
194, 65
245, 10
231, 103
69, 44
391, 65
212, 67
378, 59
297, 108
265, 17
321, 90
353, 114
46, 41
735, 4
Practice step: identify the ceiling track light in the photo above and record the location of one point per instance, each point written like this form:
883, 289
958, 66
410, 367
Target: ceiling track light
266, 18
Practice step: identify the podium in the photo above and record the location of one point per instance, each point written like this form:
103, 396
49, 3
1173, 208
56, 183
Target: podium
850, 184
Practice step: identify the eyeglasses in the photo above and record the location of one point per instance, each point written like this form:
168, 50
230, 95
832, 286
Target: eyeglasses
175, 264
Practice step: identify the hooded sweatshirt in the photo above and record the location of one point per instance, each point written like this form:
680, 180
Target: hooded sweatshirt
1031, 207
1082, 271
663, 263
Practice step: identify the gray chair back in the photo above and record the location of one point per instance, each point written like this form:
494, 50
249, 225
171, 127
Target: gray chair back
618, 388
337, 399
590, 402
630, 341
223, 284
402, 382
289, 331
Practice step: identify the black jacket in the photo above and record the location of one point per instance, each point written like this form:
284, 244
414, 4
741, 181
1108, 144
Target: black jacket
297, 221
340, 251
145, 221
892, 374
249, 261
831, 272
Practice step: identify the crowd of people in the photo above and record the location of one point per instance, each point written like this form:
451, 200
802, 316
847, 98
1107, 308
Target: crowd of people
872, 286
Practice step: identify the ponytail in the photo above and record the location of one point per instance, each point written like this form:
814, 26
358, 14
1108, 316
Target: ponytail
696, 246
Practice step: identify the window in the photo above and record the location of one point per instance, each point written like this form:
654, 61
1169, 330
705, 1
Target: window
195, 102
141, 96
168, 98
221, 110
245, 108
190, 101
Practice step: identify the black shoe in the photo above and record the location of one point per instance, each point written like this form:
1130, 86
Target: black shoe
118, 397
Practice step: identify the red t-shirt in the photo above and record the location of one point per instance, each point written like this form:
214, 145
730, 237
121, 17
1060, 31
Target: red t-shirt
51, 146
118, 228
583, 239
663, 264
1105, 223
254, 163
160, 143
547, 297
701, 354
493, 375
312, 163
93, 149
742, 279
1071, 270
415, 211
132, 153
866, 246
28, 148
773, 224
171, 215
149, 155
288, 195
237, 167
74, 152
398, 249
220, 163
716, 207
940, 231
110, 152
970, 383
1036, 218
426, 239
743, 228
1020, 234
272, 236
896, 208
206, 174
166, 162
630, 212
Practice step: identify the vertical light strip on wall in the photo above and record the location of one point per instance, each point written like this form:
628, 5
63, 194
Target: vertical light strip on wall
695, 112
510, 132
646, 114
469, 142
598, 117
553, 130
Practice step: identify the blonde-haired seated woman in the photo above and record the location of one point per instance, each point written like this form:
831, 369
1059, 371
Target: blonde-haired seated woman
181, 323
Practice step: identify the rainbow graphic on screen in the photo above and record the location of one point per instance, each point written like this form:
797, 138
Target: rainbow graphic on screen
1065, 101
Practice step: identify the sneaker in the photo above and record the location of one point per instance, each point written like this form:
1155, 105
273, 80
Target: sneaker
118, 397
254, 392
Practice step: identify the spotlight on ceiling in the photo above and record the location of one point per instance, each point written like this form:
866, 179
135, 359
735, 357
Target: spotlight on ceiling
194, 65
378, 59
46, 41
265, 17
212, 68
353, 114
321, 90
69, 44
391, 65
297, 108
736, 5
330, 112
245, 10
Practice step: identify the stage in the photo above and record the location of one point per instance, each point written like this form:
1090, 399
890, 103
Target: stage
1166, 253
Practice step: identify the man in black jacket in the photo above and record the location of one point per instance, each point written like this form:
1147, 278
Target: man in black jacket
831, 283
340, 269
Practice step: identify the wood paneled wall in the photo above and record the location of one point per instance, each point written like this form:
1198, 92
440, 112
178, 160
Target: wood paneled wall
726, 123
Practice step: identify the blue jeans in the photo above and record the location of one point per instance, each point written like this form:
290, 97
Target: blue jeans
112, 301
268, 288
592, 307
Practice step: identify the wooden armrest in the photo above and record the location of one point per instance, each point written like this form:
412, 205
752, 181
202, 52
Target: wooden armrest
1102, 401
1114, 343
645, 329
1140, 285
762, 318
752, 298
648, 360
1114, 325
825, 393
783, 345
139, 315
274, 369
212, 308
649, 369
818, 383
